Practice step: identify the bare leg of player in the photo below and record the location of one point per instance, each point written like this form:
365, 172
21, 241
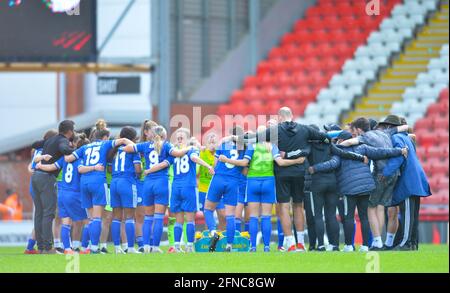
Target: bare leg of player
57, 233
139, 218
392, 227
299, 221
107, 218
286, 223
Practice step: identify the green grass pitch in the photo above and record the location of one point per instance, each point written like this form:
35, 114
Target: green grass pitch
430, 259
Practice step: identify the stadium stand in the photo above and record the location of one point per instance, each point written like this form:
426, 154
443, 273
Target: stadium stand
364, 68
413, 60
433, 151
307, 58
426, 90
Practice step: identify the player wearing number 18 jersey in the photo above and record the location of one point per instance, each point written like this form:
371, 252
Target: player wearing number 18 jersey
183, 200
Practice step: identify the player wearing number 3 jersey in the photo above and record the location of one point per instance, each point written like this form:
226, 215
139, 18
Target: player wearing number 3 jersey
225, 184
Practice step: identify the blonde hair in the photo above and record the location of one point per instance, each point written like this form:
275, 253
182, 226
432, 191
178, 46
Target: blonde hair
186, 131
268, 145
159, 138
147, 125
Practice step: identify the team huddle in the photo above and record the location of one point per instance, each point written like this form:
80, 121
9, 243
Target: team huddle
292, 168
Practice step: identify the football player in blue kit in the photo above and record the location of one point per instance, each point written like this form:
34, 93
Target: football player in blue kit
156, 185
126, 169
225, 185
93, 160
183, 200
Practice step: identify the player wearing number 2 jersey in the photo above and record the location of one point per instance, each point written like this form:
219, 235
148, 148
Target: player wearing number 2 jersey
156, 184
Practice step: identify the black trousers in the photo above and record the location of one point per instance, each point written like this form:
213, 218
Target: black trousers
350, 204
409, 221
326, 200
44, 188
309, 213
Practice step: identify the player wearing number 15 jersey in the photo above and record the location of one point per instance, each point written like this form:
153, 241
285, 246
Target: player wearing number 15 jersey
93, 179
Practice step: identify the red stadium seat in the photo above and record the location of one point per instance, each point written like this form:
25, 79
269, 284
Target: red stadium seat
444, 95
425, 124
251, 82
441, 123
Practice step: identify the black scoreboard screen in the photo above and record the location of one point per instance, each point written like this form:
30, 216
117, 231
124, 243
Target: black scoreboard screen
43, 31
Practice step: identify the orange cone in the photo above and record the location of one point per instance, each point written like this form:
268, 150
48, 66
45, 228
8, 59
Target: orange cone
358, 234
436, 235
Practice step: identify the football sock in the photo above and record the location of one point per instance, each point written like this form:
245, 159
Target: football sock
253, 231
157, 229
95, 229
280, 233
130, 230
177, 231
301, 237
238, 224
247, 226
390, 239
266, 229
210, 221
230, 229
31, 243
65, 236
147, 230
190, 232
115, 232
170, 231
85, 237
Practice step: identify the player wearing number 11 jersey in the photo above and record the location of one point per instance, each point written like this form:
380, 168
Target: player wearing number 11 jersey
126, 169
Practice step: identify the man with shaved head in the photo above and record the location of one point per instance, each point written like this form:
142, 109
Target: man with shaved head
293, 140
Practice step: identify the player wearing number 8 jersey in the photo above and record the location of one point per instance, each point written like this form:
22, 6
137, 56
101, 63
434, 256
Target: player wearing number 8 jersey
69, 199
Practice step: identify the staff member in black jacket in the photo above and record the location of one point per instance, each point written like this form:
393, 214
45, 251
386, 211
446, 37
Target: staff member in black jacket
324, 191
293, 140
44, 184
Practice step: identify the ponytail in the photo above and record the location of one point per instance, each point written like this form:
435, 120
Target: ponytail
160, 137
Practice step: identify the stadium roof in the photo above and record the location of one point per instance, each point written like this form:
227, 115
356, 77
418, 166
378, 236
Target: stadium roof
115, 120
